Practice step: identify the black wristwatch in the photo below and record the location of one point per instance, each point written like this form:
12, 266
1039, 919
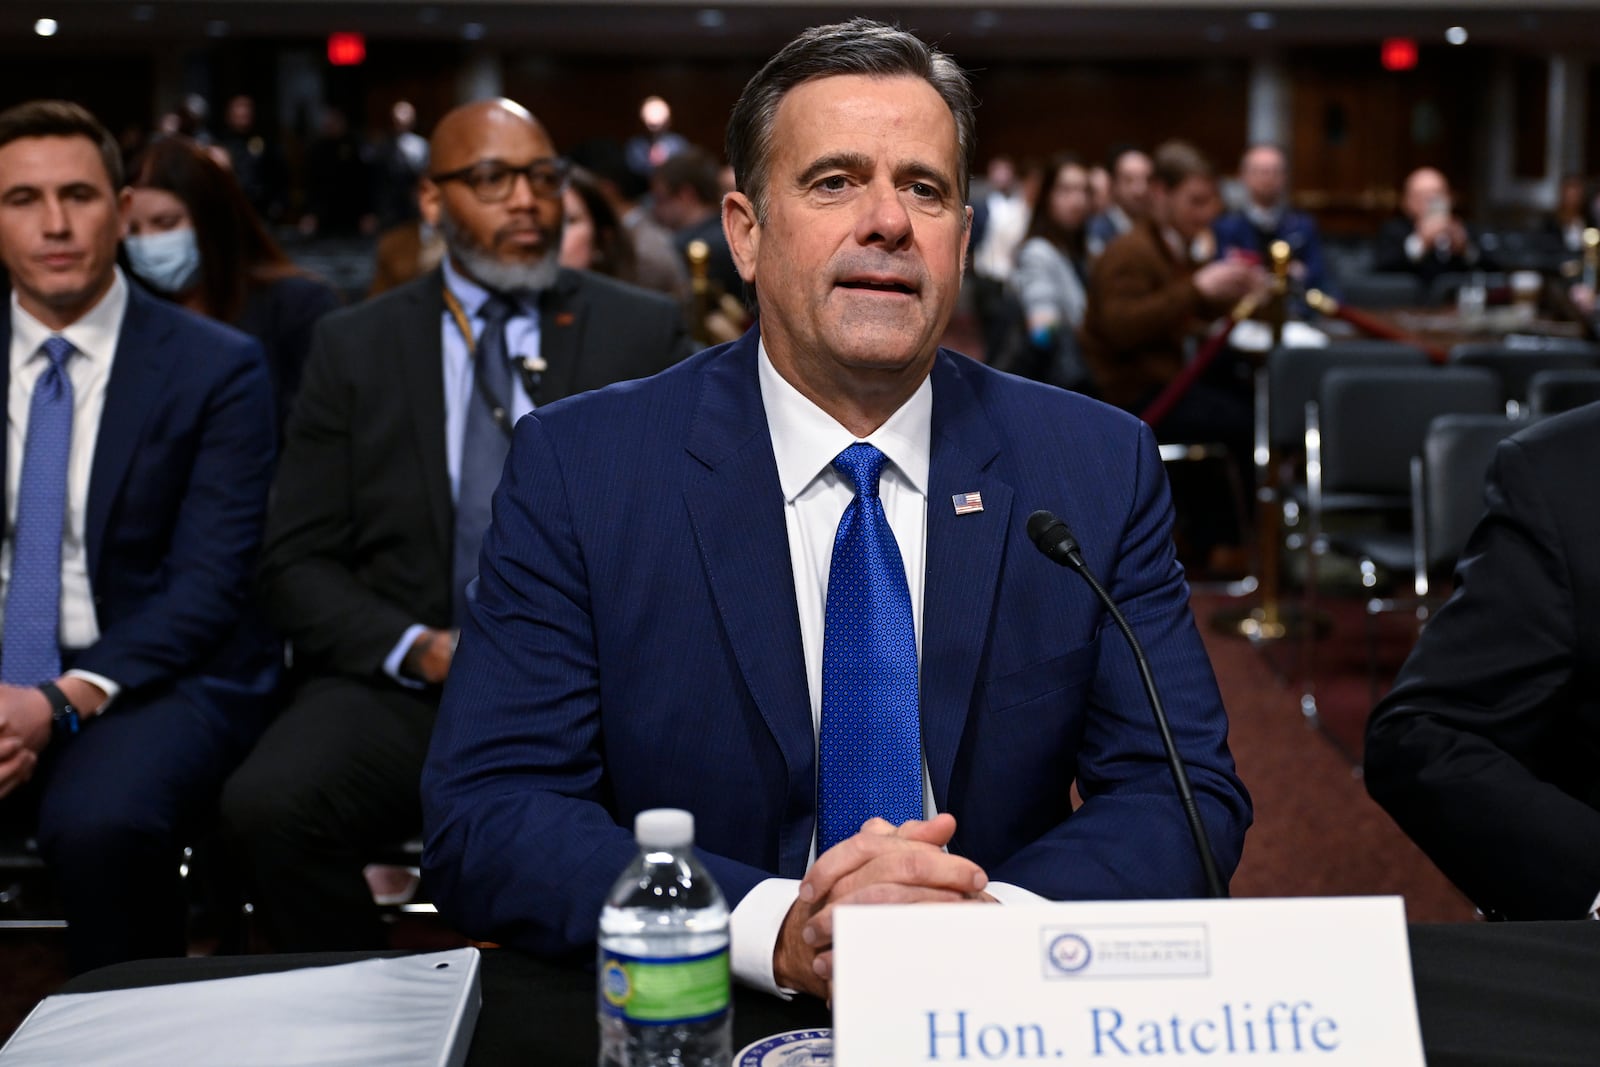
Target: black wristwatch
64, 718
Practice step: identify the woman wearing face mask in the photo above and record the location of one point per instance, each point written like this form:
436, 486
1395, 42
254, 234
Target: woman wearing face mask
193, 238
1048, 281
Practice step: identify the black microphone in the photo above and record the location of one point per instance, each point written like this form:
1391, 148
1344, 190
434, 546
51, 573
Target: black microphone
1052, 537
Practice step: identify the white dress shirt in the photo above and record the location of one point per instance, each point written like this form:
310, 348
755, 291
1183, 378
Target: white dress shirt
460, 390
94, 336
805, 440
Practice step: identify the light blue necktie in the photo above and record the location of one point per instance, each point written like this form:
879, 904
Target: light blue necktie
31, 652
484, 445
870, 746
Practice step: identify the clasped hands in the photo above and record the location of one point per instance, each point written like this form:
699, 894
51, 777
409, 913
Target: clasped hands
882, 864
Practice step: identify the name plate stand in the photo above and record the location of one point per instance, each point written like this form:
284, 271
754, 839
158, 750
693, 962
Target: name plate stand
1304, 981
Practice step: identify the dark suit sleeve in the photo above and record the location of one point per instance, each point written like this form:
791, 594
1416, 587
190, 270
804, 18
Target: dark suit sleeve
1129, 838
520, 846
1461, 752
215, 534
309, 587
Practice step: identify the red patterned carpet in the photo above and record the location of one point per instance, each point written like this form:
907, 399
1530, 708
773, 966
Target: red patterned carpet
1317, 833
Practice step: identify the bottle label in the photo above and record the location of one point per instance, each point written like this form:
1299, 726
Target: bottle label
676, 989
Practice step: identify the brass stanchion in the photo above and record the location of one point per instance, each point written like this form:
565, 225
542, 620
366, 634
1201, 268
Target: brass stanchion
1269, 620
716, 316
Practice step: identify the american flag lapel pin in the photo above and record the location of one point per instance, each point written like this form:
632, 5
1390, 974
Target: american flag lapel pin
967, 503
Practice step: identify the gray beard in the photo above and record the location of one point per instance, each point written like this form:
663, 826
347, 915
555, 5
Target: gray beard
513, 279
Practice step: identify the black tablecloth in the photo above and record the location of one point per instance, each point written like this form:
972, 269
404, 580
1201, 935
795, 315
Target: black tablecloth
1488, 995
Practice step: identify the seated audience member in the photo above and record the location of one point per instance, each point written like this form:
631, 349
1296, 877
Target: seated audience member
139, 455
686, 196
193, 238
1099, 189
396, 444
660, 266
592, 237
1485, 749
830, 746
1130, 198
1049, 278
1572, 214
1426, 238
1267, 217
1149, 297
999, 226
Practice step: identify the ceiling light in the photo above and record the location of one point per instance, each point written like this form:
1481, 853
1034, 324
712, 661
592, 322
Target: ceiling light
46, 27
1456, 35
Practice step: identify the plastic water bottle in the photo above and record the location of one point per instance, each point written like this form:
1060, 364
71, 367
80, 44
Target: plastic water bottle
664, 988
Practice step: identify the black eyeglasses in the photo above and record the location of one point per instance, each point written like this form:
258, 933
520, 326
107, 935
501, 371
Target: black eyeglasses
491, 181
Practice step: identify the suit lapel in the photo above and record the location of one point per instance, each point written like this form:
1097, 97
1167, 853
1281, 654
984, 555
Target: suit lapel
421, 358
139, 373
5, 373
736, 508
561, 322
963, 566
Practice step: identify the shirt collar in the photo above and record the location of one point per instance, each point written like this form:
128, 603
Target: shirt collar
805, 439
472, 295
93, 335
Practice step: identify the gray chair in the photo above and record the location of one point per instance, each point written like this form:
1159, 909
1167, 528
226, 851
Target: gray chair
1361, 436
1447, 503
1553, 391
1382, 290
1517, 359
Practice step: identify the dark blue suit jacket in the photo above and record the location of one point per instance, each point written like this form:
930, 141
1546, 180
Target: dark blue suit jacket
177, 499
635, 644
1235, 230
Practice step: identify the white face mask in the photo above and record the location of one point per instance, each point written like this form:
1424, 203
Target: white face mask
167, 262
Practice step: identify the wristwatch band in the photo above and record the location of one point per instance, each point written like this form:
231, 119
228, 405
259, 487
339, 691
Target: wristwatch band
64, 718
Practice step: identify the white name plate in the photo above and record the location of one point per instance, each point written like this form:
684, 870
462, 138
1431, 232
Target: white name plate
1304, 981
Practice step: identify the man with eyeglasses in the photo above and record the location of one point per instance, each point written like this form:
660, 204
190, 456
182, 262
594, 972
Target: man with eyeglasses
382, 497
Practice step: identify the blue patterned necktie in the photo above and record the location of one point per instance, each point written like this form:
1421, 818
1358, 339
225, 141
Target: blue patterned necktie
870, 746
31, 652
483, 447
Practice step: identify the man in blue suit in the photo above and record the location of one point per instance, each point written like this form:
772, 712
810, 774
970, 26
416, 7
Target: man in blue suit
786, 585
138, 455
1267, 217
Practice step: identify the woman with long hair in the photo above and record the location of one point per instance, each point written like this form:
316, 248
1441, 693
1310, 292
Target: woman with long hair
592, 237
1049, 277
193, 238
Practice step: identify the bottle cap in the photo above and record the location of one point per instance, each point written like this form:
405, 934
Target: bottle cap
664, 828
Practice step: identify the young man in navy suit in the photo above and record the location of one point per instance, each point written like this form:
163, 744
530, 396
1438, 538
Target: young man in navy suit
138, 455
787, 585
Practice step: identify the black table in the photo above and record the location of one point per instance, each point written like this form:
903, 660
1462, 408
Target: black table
1488, 995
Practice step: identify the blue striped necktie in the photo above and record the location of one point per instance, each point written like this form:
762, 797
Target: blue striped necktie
484, 445
31, 652
869, 745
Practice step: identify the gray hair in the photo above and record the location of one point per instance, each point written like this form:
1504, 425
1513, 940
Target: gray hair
859, 46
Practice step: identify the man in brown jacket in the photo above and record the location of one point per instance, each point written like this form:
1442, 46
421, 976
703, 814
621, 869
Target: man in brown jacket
1148, 298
